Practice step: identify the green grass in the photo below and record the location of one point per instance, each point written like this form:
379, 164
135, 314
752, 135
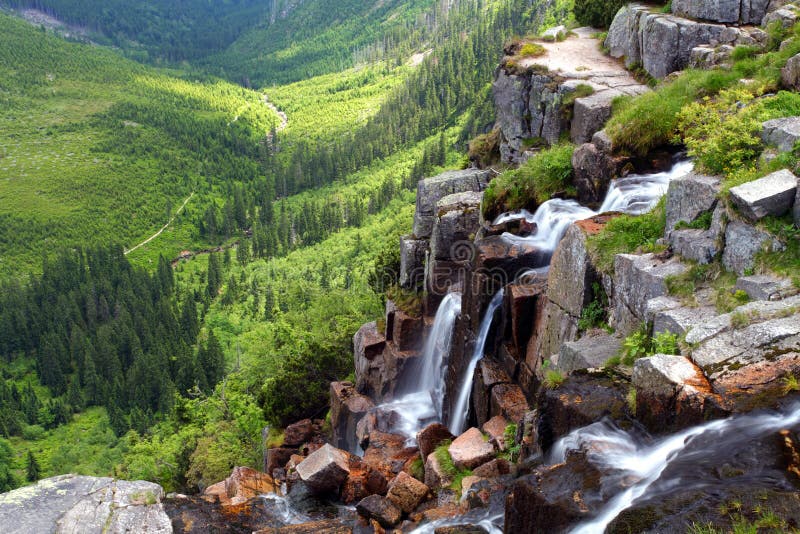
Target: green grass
553, 379
449, 468
537, 180
627, 234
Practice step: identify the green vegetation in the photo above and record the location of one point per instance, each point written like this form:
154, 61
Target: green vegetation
449, 468
511, 453
553, 378
531, 50
537, 180
702, 222
640, 344
595, 314
597, 13
758, 522
626, 234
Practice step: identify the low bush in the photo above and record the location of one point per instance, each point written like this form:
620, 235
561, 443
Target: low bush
532, 50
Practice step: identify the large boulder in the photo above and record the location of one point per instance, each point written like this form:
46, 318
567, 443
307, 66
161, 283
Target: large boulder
380, 509
690, 196
457, 219
431, 190
742, 243
593, 170
298, 433
471, 449
406, 492
431, 437
790, 74
347, 408
796, 209
660, 43
325, 469
771, 195
436, 476
591, 351
726, 11
590, 114
638, 279
671, 392
782, 133
75, 503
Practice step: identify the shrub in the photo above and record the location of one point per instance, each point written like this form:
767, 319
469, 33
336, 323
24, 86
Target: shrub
536, 181
639, 345
594, 315
532, 50
597, 13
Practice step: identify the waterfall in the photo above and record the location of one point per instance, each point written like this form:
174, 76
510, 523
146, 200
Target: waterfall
423, 394
459, 416
635, 194
637, 467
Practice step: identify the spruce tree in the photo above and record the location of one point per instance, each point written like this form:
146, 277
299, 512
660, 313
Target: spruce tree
32, 469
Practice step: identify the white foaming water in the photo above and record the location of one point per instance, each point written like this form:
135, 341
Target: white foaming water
422, 402
624, 460
489, 524
635, 194
639, 193
459, 416
552, 220
282, 509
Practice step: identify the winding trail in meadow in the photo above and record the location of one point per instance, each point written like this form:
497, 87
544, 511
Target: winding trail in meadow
155, 235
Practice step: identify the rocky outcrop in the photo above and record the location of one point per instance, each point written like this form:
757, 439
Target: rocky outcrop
532, 95
725, 11
347, 408
380, 509
689, 197
591, 351
660, 43
406, 492
638, 279
782, 133
765, 287
431, 190
471, 449
790, 74
91, 505
742, 243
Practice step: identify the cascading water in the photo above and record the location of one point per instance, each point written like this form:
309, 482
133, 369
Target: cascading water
459, 416
423, 393
637, 469
635, 194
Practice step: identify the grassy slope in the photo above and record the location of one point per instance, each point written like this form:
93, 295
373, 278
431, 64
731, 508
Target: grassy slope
73, 170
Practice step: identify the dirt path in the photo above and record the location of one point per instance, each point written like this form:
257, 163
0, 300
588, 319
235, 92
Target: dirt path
146, 241
281, 115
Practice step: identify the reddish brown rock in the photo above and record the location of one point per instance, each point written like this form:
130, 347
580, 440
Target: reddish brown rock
406, 331
488, 374
298, 433
369, 345
431, 437
508, 401
521, 303
496, 428
348, 407
791, 452
277, 458
324, 526
406, 492
355, 487
388, 453
496, 253
380, 509
471, 449
494, 469
242, 485
325, 470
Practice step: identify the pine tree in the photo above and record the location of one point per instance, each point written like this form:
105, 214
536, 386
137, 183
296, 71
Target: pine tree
32, 469
7, 481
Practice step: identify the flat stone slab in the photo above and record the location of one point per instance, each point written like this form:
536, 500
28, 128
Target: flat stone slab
471, 449
771, 195
782, 133
91, 505
678, 321
588, 352
764, 287
762, 310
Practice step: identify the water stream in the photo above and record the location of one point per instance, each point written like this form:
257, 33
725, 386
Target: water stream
636, 468
461, 407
